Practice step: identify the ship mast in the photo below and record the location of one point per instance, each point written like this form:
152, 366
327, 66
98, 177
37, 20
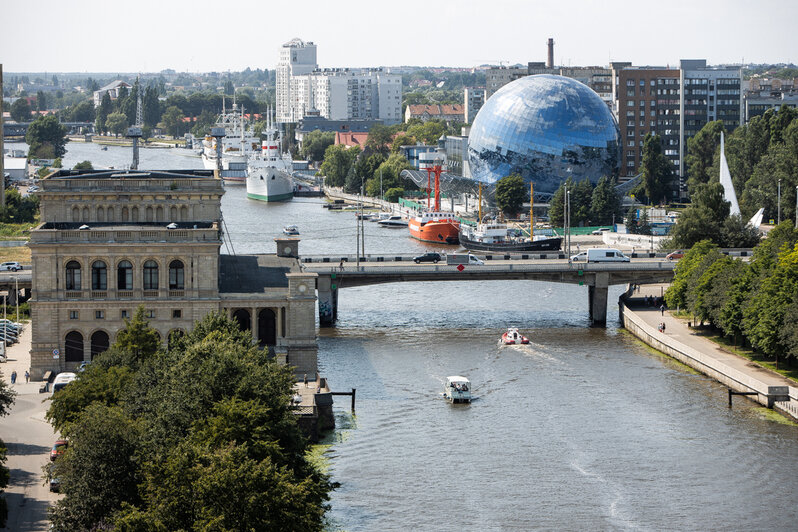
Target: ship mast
531, 211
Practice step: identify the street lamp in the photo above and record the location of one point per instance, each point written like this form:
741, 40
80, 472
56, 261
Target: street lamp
779, 204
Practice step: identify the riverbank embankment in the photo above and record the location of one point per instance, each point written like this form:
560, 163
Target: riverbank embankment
682, 342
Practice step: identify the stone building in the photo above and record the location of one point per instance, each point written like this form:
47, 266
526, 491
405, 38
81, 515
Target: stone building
110, 241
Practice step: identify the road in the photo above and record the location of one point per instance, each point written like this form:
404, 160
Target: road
29, 439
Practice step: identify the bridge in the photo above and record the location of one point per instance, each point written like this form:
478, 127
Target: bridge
13, 282
598, 277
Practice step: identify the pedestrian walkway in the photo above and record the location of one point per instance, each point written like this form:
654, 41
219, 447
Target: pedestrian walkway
677, 329
29, 438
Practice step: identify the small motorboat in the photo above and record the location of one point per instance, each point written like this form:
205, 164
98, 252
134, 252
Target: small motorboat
513, 337
104, 148
457, 389
395, 220
291, 230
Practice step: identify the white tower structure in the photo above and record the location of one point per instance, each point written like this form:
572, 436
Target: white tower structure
297, 57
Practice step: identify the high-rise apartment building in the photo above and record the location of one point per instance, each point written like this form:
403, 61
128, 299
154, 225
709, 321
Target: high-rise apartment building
473, 100
296, 57
597, 78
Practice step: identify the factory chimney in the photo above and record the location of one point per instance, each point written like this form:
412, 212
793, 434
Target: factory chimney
550, 63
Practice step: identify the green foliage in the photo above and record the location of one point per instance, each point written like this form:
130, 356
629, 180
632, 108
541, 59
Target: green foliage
20, 110
557, 203
46, 136
204, 123
703, 219
58, 162
657, 170
511, 192
84, 165
643, 227
427, 132
80, 112
106, 108
315, 144
393, 194
631, 220
581, 197
116, 123
4, 478
172, 121
19, 209
379, 138
676, 295
338, 159
7, 396
402, 139
199, 437
605, 205
700, 153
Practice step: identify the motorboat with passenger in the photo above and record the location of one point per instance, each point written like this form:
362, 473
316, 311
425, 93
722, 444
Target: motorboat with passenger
513, 337
291, 230
457, 389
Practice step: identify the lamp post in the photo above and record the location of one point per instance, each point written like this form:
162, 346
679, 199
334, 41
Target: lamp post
779, 205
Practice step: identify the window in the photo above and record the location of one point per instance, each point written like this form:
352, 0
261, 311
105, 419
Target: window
124, 276
150, 275
176, 275
124, 314
73, 275
74, 315
99, 314
177, 313
150, 313
99, 276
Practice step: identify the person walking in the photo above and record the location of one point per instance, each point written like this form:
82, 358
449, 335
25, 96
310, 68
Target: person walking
662, 310
13, 376
27, 376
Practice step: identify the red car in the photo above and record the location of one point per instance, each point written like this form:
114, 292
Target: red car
58, 449
675, 255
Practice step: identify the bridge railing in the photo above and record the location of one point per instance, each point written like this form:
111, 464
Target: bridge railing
542, 267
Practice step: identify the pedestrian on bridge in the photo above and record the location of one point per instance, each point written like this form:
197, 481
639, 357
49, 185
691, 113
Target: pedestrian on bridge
662, 310
27, 376
13, 376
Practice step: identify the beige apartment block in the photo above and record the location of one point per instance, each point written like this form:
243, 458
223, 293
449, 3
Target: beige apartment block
111, 241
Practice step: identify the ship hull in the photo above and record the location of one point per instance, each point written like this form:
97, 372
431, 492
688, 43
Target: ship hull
548, 244
437, 232
269, 184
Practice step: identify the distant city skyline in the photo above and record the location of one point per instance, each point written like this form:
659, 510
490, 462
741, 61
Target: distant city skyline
149, 36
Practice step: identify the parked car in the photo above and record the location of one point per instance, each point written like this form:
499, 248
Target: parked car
675, 255
58, 449
428, 257
10, 266
601, 230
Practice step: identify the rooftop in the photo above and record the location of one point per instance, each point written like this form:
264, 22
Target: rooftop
254, 273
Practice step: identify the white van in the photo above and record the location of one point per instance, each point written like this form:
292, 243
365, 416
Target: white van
600, 255
62, 379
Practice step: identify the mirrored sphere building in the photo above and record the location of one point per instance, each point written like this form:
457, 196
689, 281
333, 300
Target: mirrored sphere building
544, 128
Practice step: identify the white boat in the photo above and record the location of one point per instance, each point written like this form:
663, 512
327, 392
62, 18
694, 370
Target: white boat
457, 389
239, 140
269, 172
513, 337
377, 216
394, 220
291, 230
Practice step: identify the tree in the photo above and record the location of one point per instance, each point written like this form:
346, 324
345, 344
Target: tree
631, 220
511, 192
657, 170
229, 89
379, 138
581, 197
643, 227
605, 205
105, 109
20, 110
338, 159
316, 143
557, 204
41, 101
701, 150
5, 475
151, 107
402, 139
736, 233
46, 138
392, 195
703, 219
81, 112
7, 396
676, 295
83, 165
172, 121
116, 123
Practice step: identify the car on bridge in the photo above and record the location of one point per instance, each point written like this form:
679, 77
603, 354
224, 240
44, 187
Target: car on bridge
428, 257
10, 266
675, 255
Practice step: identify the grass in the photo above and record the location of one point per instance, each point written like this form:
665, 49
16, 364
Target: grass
20, 254
16, 231
750, 354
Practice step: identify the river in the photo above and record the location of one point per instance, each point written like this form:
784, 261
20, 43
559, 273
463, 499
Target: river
582, 429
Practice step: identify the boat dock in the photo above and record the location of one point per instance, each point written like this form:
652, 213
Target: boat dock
312, 402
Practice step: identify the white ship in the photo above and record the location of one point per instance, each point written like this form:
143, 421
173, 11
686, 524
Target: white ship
238, 142
269, 172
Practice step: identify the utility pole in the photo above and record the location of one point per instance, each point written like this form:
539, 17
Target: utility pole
2, 151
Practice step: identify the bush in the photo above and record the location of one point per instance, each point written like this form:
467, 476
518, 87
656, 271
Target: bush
393, 194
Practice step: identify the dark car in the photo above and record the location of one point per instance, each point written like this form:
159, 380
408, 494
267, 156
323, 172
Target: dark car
58, 449
428, 257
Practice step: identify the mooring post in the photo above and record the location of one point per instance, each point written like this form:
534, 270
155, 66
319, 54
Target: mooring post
353, 400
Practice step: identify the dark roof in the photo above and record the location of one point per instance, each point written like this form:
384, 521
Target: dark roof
254, 273
135, 174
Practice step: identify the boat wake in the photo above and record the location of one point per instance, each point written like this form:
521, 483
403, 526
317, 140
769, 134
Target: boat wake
532, 350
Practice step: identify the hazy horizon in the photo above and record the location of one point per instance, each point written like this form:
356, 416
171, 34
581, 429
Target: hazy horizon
150, 36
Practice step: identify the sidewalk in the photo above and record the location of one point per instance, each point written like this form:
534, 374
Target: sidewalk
677, 329
29, 439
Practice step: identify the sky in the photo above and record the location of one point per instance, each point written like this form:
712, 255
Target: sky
202, 36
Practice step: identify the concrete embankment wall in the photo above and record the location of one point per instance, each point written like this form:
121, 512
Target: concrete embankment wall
726, 375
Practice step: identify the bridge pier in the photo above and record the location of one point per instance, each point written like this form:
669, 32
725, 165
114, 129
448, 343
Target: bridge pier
597, 299
328, 300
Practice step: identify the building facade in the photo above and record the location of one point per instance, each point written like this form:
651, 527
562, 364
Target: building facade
473, 100
112, 89
109, 243
445, 112
761, 94
597, 78
296, 57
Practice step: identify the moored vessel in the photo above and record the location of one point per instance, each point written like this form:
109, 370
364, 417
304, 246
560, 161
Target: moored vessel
269, 172
239, 140
495, 236
433, 224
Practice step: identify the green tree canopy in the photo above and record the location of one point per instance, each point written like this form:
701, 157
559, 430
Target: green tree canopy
511, 192
315, 144
116, 123
379, 138
20, 110
703, 219
657, 170
83, 165
338, 159
46, 138
700, 153
605, 205
172, 121
105, 109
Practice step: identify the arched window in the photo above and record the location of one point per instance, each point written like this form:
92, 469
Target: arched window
125, 214
99, 276
159, 214
73, 275
110, 214
176, 275
242, 317
73, 347
100, 214
124, 276
86, 214
173, 214
75, 214
150, 275
134, 214
183, 213
149, 214
99, 343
